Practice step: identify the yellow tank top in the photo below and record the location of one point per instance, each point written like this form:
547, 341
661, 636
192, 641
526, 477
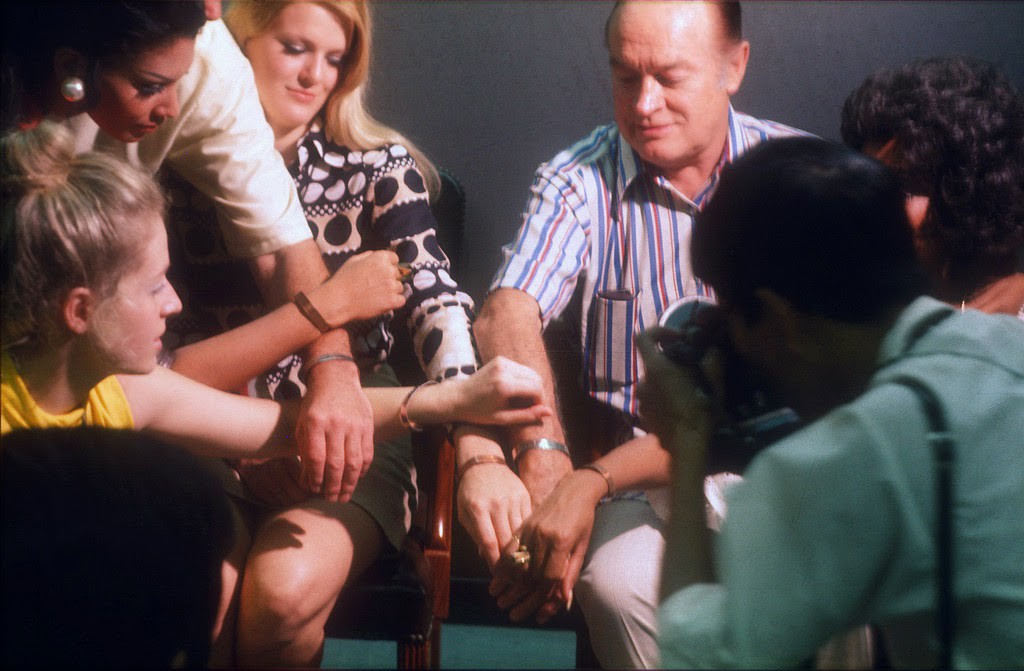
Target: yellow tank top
105, 405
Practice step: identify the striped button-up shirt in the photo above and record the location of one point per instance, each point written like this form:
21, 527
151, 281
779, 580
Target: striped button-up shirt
602, 225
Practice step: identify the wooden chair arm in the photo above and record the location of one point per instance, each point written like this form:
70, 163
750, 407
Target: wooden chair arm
438, 543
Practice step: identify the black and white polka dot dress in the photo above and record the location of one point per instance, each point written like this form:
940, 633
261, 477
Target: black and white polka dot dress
354, 201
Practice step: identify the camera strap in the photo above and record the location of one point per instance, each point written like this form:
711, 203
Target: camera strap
942, 446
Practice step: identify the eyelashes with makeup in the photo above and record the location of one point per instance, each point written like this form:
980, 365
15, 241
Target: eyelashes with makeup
297, 50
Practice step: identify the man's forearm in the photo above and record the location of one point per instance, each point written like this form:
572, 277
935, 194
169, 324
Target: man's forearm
509, 325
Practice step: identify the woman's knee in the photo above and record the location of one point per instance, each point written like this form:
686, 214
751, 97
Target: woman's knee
300, 562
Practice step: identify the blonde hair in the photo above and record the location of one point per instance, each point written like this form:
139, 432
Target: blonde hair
346, 118
68, 221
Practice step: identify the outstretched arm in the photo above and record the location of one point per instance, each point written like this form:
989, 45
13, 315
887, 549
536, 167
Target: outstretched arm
335, 424
509, 325
215, 423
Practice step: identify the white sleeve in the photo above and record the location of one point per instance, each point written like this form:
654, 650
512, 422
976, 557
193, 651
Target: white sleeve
221, 143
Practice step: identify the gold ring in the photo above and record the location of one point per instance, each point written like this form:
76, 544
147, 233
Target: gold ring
521, 557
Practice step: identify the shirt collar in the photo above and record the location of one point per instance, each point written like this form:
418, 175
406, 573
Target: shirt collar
630, 166
915, 320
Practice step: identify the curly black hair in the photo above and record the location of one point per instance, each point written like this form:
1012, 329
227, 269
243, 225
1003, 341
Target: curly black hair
958, 127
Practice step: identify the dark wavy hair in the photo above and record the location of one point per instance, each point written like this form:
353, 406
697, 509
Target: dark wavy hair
958, 127
816, 222
107, 32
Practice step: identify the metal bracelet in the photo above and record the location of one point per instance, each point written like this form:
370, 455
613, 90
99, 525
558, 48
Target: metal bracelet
323, 358
403, 410
480, 459
603, 472
538, 444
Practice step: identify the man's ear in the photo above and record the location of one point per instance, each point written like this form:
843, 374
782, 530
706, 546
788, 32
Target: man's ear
77, 309
735, 66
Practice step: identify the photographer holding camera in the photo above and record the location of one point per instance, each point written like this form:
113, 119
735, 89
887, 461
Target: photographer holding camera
898, 503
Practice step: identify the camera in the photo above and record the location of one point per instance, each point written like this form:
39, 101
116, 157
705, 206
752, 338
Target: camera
754, 417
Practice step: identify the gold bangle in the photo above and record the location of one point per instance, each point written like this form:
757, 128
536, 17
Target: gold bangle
310, 312
480, 459
403, 410
603, 472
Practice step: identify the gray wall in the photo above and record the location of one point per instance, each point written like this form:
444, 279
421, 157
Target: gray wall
492, 89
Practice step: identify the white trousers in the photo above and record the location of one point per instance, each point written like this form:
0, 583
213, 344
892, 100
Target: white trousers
618, 587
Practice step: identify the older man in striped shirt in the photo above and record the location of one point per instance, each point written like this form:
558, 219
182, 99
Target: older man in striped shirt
604, 246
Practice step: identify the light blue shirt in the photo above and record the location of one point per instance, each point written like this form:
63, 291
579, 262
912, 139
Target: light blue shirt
835, 526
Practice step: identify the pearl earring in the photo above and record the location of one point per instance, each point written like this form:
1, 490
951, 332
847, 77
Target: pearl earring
73, 89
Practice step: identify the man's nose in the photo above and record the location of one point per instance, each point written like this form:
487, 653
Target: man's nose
649, 97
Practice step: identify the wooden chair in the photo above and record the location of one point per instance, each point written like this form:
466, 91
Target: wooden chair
406, 599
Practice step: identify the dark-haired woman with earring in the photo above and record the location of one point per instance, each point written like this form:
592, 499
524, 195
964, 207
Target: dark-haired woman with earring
159, 95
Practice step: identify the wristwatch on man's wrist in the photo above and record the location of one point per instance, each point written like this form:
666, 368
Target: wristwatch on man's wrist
538, 444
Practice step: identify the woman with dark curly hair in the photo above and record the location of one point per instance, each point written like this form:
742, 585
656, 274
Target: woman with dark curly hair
953, 130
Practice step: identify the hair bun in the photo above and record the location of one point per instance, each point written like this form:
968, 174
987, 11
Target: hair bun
37, 159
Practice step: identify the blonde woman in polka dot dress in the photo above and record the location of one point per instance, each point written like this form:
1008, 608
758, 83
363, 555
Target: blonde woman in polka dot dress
363, 187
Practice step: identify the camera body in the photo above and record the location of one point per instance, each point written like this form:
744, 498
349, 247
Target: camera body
754, 418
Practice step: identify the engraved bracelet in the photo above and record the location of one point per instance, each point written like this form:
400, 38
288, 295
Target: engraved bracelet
538, 444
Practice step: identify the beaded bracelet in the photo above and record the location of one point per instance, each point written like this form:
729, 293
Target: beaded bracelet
403, 410
603, 472
480, 459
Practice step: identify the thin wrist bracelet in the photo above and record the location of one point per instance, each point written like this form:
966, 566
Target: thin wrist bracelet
403, 410
310, 312
538, 444
603, 472
304, 371
480, 459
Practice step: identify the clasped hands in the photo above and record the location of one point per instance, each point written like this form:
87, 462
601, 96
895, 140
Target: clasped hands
538, 568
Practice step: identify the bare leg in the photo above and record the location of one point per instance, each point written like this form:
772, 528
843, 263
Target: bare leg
222, 651
300, 560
